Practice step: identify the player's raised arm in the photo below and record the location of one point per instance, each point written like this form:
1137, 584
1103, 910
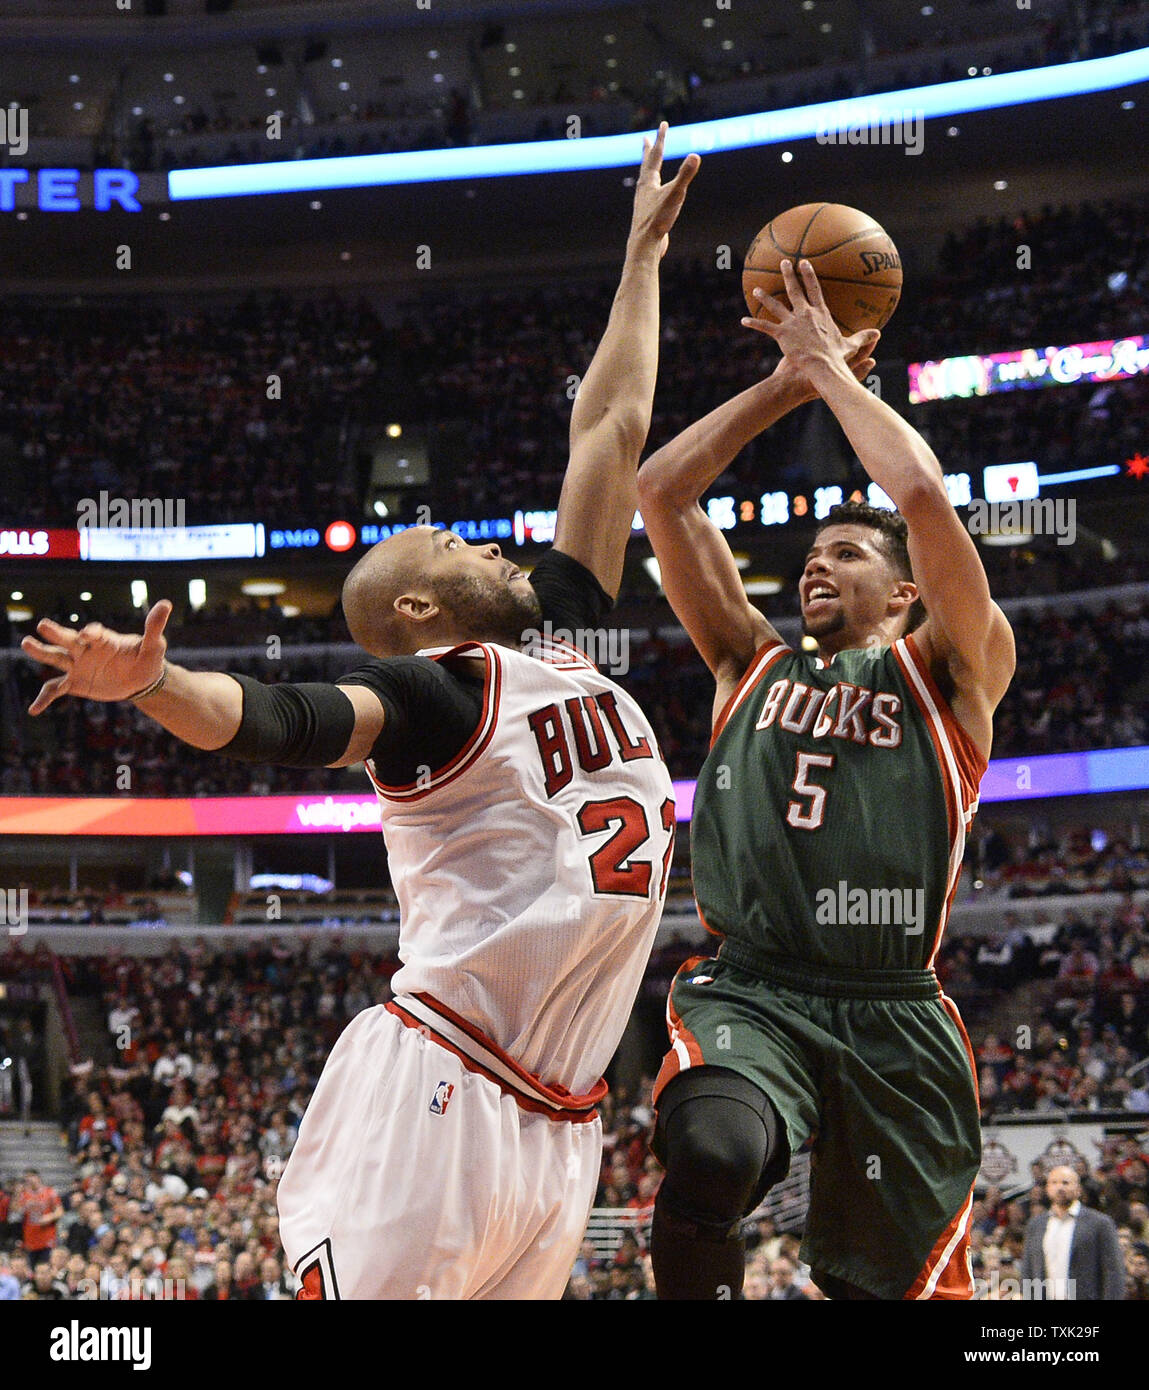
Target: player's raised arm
965, 629
698, 570
305, 725
611, 415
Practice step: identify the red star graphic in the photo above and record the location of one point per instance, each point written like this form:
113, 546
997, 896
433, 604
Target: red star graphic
1138, 466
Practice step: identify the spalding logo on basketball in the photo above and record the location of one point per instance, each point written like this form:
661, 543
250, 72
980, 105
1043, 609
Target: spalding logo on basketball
857, 264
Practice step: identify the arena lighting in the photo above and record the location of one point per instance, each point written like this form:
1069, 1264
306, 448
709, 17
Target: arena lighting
295, 883
614, 151
1079, 475
762, 584
1006, 538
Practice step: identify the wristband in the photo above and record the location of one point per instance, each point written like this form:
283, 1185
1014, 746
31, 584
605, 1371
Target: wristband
157, 684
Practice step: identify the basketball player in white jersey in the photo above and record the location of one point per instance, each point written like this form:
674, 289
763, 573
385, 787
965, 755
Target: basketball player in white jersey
452, 1146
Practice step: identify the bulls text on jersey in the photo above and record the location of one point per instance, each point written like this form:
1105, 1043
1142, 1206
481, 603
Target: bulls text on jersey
584, 716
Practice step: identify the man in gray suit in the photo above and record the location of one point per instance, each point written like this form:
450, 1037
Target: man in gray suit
1070, 1251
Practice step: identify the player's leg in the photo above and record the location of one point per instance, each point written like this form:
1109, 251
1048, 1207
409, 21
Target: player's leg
414, 1177
556, 1169
395, 1176
722, 1145
896, 1155
737, 1094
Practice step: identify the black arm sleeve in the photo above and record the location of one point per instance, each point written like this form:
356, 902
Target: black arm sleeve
429, 712
570, 595
308, 724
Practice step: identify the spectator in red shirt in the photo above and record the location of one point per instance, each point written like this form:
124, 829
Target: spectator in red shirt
1019, 1089
98, 1124
41, 1209
643, 1199
994, 1053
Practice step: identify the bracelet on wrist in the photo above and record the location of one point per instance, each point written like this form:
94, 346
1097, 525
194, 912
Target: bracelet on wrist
157, 684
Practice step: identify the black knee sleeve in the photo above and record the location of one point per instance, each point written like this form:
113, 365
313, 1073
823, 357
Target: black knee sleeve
722, 1145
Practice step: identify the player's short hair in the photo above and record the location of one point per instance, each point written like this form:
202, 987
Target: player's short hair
894, 544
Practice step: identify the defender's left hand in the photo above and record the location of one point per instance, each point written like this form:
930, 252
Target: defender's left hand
657, 205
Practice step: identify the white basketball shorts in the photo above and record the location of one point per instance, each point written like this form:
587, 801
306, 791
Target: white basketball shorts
414, 1177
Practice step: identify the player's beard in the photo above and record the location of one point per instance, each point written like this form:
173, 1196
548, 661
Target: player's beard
490, 610
827, 626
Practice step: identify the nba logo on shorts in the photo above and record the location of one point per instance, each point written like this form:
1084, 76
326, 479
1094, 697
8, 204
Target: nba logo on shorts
442, 1098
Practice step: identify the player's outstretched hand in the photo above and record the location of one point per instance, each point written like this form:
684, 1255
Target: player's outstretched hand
99, 664
657, 204
805, 331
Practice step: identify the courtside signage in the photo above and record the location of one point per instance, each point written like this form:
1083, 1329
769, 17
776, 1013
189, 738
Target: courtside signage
70, 190
1006, 779
1115, 359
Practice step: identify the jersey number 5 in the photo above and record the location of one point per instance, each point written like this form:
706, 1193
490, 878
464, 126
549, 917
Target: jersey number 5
610, 868
808, 817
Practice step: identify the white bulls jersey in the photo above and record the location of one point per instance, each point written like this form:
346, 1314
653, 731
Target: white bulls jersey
531, 870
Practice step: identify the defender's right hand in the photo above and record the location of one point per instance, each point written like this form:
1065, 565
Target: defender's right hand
99, 664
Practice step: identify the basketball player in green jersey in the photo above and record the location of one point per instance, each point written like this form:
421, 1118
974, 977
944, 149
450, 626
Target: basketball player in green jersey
827, 838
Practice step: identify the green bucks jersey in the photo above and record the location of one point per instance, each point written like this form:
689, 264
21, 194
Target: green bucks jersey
830, 818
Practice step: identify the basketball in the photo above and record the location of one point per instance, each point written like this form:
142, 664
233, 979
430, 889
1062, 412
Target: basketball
857, 264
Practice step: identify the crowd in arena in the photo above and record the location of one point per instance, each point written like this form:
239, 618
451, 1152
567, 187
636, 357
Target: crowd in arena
134, 403
178, 1139
1038, 264
1076, 688
690, 89
178, 1130
1045, 864
265, 409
